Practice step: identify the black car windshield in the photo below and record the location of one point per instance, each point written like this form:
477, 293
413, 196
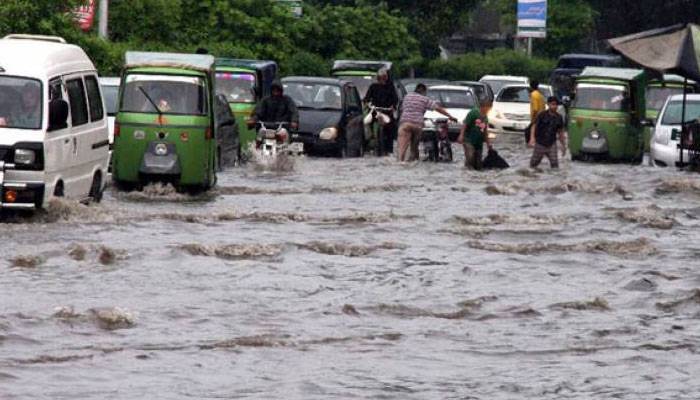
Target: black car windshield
185, 95
674, 112
20, 103
517, 94
657, 96
318, 96
111, 94
452, 98
237, 87
601, 97
362, 83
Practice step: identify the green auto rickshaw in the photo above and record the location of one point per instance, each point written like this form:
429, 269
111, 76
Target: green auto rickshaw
244, 83
165, 128
607, 115
658, 91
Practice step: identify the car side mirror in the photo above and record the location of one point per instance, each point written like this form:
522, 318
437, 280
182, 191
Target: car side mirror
58, 114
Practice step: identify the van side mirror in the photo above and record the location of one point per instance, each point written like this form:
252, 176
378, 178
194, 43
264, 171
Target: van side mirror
58, 114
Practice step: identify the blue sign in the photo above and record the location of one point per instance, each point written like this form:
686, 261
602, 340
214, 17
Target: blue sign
532, 18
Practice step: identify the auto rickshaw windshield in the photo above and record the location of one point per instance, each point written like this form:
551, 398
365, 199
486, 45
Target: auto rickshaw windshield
601, 97
20, 103
674, 112
184, 95
657, 95
237, 87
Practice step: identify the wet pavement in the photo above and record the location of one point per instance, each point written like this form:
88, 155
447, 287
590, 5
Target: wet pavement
362, 278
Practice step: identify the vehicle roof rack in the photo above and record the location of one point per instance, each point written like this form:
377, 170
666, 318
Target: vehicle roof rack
46, 38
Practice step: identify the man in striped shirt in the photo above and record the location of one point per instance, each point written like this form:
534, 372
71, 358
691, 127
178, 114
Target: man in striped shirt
413, 109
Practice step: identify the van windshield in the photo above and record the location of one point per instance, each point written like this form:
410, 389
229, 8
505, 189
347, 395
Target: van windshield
674, 112
237, 87
657, 95
601, 97
110, 94
183, 95
20, 103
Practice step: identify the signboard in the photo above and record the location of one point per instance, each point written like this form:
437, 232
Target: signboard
295, 6
85, 15
532, 18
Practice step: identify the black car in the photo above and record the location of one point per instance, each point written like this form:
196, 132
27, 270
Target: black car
330, 115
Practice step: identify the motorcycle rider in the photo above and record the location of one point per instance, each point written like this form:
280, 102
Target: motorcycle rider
383, 94
277, 107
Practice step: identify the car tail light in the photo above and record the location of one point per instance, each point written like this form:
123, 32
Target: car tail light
10, 196
117, 129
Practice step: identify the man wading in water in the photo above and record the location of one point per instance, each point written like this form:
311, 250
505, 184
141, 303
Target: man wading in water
473, 135
543, 136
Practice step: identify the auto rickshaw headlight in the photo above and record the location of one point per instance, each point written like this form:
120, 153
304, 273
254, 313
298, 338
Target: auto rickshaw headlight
328, 134
161, 149
25, 156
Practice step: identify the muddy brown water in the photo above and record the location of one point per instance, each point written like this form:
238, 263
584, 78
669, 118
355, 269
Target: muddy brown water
362, 279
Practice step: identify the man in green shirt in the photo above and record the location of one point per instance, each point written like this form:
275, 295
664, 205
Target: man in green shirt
473, 135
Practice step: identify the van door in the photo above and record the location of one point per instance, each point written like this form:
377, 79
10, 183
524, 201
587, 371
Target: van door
97, 143
58, 155
87, 132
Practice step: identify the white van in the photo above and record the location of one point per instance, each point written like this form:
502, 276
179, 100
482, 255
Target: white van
54, 139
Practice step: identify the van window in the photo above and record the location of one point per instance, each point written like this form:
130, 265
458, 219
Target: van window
78, 105
20, 103
93, 91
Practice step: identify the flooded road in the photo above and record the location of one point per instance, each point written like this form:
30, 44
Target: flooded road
363, 279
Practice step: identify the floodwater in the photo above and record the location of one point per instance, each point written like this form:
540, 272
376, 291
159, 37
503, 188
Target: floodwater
362, 278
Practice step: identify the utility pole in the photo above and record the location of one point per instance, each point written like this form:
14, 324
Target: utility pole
104, 19
529, 47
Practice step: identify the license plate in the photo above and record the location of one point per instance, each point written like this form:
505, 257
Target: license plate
296, 147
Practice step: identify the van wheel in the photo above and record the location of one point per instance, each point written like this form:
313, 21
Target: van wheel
96, 188
58, 190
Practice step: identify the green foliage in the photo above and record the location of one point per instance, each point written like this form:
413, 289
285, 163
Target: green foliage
472, 66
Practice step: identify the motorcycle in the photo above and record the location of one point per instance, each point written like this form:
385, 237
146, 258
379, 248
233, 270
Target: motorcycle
436, 141
269, 143
376, 135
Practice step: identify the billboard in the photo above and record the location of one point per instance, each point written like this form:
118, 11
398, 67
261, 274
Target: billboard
532, 18
85, 15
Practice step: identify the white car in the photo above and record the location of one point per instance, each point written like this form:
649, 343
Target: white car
54, 140
511, 109
497, 82
110, 93
510, 112
458, 100
666, 135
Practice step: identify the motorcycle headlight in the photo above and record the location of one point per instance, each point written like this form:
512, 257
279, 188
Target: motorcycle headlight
328, 134
161, 149
25, 156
